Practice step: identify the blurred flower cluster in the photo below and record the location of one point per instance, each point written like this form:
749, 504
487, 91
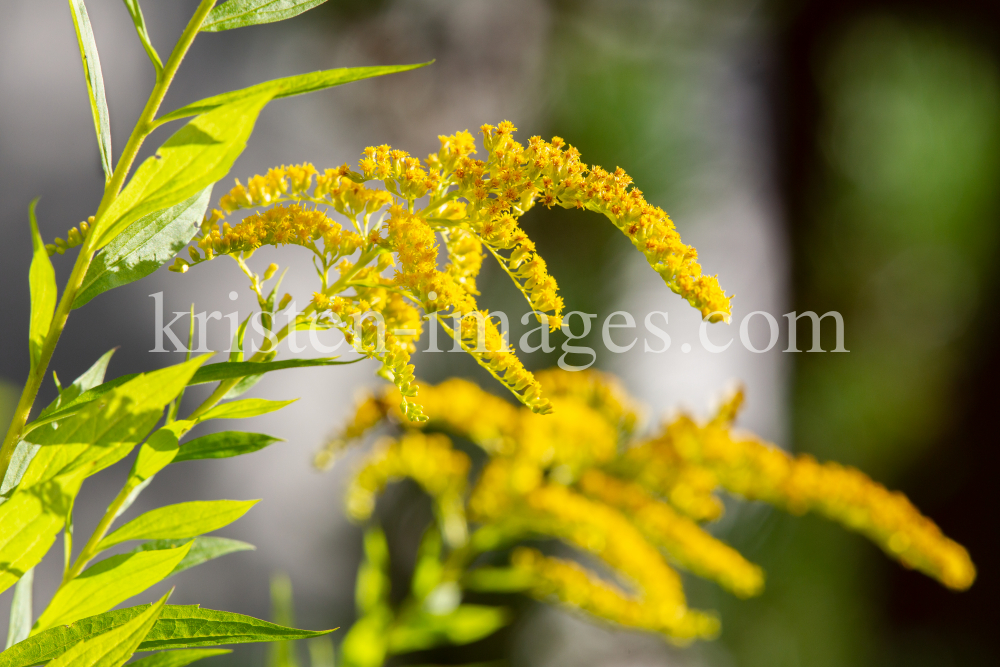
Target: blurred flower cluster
631, 506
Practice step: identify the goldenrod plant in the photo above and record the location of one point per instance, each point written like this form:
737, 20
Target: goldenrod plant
569, 464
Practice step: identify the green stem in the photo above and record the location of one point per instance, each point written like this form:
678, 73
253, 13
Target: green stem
139, 133
225, 386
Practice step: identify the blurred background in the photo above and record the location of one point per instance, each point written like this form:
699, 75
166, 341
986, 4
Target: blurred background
821, 156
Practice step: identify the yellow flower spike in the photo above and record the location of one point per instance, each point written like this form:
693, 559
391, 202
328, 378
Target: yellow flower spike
576, 588
760, 471
600, 391
431, 462
686, 542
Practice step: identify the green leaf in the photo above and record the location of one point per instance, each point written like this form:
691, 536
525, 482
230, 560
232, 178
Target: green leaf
20, 610
95, 82
179, 626
42, 282
24, 452
237, 369
202, 549
113, 648
223, 445
107, 428
241, 13
107, 583
29, 522
180, 658
92, 377
144, 246
185, 627
197, 155
135, 11
289, 86
158, 451
179, 521
243, 408
464, 625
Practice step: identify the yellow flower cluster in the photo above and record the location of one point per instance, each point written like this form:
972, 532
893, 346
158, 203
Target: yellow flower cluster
760, 471
683, 539
634, 505
471, 206
576, 588
430, 461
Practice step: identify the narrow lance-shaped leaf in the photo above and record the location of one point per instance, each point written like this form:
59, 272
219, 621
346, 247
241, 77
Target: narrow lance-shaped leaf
29, 522
42, 283
244, 408
197, 155
113, 648
203, 549
24, 452
92, 377
214, 373
95, 82
236, 369
241, 13
135, 11
179, 521
107, 583
179, 626
180, 658
289, 86
20, 610
158, 450
144, 246
107, 429
223, 445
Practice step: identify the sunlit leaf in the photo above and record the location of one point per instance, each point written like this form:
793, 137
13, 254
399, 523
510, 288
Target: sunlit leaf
90, 378
223, 445
244, 408
107, 583
156, 453
202, 549
179, 521
289, 86
106, 429
180, 658
237, 369
95, 82
24, 452
135, 11
144, 246
241, 13
20, 609
42, 282
179, 626
29, 522
115, 647
197, 155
